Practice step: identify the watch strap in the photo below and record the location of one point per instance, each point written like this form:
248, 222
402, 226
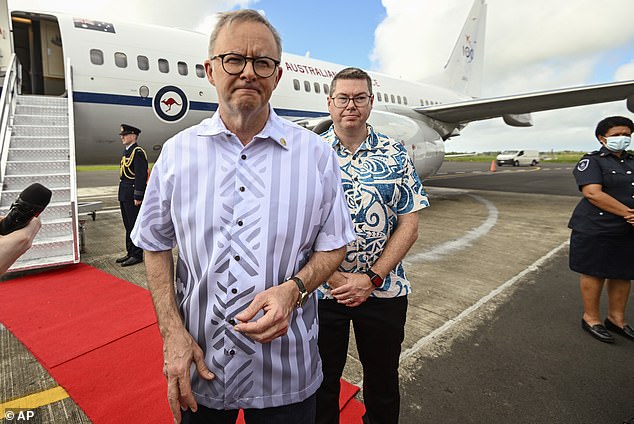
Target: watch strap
303, 293
375, 278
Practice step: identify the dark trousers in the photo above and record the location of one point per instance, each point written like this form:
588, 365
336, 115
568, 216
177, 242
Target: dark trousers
299, 413
129, 212
379, 329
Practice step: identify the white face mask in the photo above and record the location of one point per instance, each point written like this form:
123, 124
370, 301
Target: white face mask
617, 143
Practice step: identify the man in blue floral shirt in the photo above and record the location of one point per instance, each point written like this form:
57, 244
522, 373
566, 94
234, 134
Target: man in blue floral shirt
384, 195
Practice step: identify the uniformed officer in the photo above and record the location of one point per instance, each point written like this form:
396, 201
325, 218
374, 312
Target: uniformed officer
602, 240
133, 178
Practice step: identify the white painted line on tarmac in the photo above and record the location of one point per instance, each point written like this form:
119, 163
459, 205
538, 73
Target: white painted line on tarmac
421, 343
452, 246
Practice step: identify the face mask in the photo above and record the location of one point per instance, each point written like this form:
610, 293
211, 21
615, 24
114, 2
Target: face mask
617, 143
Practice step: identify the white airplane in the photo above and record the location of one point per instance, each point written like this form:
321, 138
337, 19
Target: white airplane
152, 77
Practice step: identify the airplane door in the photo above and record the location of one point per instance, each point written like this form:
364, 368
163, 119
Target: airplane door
5, 37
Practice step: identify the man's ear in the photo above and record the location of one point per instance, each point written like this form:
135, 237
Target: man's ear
209, 70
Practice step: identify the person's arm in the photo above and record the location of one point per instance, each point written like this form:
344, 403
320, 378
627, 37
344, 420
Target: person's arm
357, 287
278, 301
14, 244
179, 347
595, 195
140, 175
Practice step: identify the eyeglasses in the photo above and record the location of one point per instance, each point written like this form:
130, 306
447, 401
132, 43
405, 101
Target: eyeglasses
234, 64
359, 101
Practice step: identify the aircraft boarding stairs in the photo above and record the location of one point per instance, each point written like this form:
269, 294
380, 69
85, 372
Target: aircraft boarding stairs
38, 146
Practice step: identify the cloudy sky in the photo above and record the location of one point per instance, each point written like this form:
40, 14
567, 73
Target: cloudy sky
530, 46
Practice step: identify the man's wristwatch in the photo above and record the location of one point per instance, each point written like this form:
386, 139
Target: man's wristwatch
375, 278
303, 293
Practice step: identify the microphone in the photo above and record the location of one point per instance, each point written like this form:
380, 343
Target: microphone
31, 202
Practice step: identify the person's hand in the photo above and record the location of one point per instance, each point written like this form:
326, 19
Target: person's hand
179, 350
277, 302
337, 279
630, 217
354, 291
137, 202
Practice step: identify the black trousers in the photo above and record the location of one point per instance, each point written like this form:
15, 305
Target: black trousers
301, 413
129, 213
379, 329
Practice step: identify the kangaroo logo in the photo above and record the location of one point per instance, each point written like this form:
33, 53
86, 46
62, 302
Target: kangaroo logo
170, 104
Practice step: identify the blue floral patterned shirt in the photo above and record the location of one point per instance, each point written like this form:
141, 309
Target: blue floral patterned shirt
380, 183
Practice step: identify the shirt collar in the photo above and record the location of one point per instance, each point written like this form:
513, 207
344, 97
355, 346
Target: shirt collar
273, 129
129, 146
371, 142
604, 151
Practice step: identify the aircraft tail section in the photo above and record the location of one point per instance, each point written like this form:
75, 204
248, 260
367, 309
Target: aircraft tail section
463, 71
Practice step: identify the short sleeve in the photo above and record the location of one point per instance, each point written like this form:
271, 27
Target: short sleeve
588, 171
337, 229
412, 196
154, 229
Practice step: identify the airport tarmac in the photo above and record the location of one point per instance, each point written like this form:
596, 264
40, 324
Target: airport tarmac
493, 332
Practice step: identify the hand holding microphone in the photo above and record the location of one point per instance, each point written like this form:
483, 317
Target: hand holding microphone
30, 203
19, 227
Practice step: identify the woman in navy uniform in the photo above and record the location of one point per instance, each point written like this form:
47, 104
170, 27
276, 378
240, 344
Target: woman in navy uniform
133, 178
602, 240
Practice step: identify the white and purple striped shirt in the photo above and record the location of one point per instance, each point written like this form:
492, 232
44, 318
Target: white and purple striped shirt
245, 218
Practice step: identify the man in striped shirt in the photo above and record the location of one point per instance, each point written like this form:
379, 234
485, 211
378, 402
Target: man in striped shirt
255, 205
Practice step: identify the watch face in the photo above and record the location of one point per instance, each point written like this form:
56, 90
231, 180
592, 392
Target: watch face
376, 280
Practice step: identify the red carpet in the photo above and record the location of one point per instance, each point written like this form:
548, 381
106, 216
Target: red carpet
97, 337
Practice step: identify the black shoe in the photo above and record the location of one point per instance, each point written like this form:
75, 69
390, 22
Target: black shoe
132, 261
626, 331
598, 331
122, 259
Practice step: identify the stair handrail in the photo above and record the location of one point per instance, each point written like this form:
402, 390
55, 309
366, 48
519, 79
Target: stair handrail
7, 108
68, 72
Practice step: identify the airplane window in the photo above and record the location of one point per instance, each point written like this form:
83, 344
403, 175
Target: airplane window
121, 60
326, 89
392, 98
296, 84
378, 96
182, 68
317, 88
96, 57
307, 86
421, 102
200, 71
143, 63
387, 99
398, 98
404, 100
164, 66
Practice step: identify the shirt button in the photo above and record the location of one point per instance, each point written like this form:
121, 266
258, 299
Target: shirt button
240, 221
243, 157
242, 188
231, 321
614, 172
232, 352
628, 172
600, 213
236, 257
234, 291
358, 201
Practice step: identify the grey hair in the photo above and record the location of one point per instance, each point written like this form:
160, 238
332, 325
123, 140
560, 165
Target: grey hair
350, 73
241, 16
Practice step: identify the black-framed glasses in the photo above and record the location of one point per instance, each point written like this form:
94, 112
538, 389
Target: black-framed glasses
234, 64
359, 101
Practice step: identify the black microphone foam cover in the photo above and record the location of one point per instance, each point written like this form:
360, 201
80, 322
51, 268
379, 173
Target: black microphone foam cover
37, 195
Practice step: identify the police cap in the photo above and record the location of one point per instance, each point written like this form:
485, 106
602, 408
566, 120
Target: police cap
129, 129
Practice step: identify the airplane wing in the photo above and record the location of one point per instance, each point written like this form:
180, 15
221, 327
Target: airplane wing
521, 104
